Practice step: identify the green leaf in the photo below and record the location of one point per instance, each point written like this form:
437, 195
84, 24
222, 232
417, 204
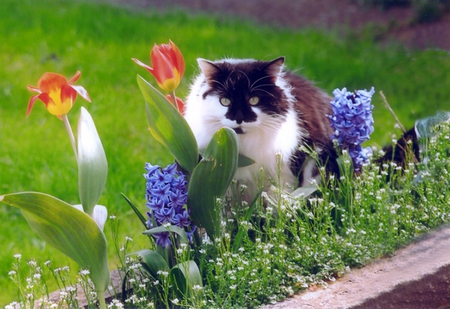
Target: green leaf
152, 262
92, 164
66, 228
244, 161
211, 178
186, 275
171, 228
136, 211
426, 128
304, 191
169, 127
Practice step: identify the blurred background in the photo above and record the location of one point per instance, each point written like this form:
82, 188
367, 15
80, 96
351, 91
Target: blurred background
400, 47
415, 23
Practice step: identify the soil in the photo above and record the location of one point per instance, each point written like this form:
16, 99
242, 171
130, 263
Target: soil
393, 24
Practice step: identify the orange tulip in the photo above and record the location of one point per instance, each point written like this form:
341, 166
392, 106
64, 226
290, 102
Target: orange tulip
168, 66
57, 94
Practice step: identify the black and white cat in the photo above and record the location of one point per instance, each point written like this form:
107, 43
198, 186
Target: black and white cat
273, 111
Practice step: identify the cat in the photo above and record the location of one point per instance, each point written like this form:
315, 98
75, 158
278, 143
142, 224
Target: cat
273, 112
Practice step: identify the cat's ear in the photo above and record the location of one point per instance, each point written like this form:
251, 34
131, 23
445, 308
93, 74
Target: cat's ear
208, 68
274, 67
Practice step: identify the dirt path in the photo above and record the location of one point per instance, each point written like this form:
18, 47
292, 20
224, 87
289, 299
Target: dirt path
416, 277
393, 24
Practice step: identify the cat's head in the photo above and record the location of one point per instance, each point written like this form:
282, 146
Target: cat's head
242, 94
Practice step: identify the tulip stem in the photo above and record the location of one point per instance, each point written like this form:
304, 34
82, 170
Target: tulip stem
101, 299
174, 99
71, 136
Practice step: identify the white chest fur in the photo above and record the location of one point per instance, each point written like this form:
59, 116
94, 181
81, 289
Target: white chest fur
271, 147
266, 141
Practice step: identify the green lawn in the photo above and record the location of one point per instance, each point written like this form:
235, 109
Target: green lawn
100, 40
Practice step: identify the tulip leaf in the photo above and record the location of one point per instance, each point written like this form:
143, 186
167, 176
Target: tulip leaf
92, 164
211, 178
426, 128
185, 276
244, 161
66, 228
169, 127
152, 262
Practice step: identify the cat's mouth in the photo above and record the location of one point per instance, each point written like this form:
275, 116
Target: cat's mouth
238, 130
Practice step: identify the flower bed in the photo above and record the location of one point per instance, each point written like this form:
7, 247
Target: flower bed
207, 250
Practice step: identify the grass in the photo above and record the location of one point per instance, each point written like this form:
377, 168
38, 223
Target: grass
98, 39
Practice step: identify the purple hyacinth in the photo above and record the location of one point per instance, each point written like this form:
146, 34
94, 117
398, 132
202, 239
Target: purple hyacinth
352, 122
166, 195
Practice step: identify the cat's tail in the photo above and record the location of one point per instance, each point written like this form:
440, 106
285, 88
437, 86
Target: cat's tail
405, 150
411, 147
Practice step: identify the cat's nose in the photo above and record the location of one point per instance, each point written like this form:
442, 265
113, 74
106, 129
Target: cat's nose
239, 117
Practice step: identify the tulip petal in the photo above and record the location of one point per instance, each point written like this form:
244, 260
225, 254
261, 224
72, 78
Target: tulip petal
162, 64
178, 57
138, 62
82, 92
31, 103
34, 89
50, 82
74, 78
68, 93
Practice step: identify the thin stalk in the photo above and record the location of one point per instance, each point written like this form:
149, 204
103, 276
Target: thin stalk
174, 100
392, 111
71, 136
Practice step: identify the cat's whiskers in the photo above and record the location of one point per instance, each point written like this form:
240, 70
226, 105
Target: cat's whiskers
214, 81
256, 81
246, 76
262, 90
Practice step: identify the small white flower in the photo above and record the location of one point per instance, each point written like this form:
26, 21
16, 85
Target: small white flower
163, 273
32, 263
197, 287
84, 272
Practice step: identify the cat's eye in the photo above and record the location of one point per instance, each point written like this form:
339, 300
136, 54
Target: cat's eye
225, 101
253, 100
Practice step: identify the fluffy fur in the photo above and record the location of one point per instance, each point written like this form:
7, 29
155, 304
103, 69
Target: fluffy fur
272, 111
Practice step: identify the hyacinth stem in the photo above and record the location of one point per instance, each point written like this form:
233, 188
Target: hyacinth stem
392, 112
71, 136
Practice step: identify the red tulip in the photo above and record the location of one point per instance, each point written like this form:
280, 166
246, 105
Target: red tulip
168, 66
179, 103
57, 94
